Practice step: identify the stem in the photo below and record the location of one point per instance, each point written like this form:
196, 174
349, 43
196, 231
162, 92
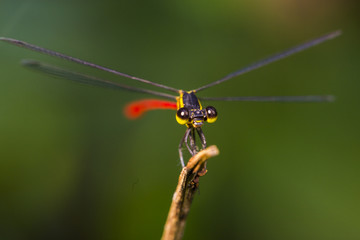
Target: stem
184, 193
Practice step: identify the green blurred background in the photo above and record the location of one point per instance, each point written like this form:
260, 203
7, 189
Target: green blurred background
72, 166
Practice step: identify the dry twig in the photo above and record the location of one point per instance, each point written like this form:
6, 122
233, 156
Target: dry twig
184, 193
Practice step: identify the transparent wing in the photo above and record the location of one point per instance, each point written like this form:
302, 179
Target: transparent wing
82, 78
273, 58
72, 59
326, 98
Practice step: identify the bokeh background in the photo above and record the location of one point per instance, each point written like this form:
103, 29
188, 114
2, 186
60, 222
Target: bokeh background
72, 166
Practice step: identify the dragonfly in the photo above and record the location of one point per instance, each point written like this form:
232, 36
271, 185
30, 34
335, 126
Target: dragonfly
189, 111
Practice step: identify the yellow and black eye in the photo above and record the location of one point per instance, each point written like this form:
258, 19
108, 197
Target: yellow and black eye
211, 114
182, 115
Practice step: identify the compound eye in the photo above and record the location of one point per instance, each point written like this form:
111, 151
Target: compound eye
182, 116
211, 114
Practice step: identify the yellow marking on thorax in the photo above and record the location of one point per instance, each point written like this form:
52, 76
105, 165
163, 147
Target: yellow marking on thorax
179, 100
200, 104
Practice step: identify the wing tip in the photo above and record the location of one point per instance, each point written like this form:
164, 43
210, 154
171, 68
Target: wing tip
29, 62
11, 40
335, 34
330, 98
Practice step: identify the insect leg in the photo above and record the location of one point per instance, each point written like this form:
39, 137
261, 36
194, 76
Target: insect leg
202, 137
192, 141
189, 135
183, 139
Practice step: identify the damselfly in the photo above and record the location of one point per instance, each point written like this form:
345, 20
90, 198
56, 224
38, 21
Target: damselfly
189, 111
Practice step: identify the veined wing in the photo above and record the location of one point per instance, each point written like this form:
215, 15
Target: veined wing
72, 59
82, 78
273, 58
325, 98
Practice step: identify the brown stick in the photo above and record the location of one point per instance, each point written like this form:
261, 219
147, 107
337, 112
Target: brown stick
184, 193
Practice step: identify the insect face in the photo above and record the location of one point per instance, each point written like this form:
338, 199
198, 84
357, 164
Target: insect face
195, 117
